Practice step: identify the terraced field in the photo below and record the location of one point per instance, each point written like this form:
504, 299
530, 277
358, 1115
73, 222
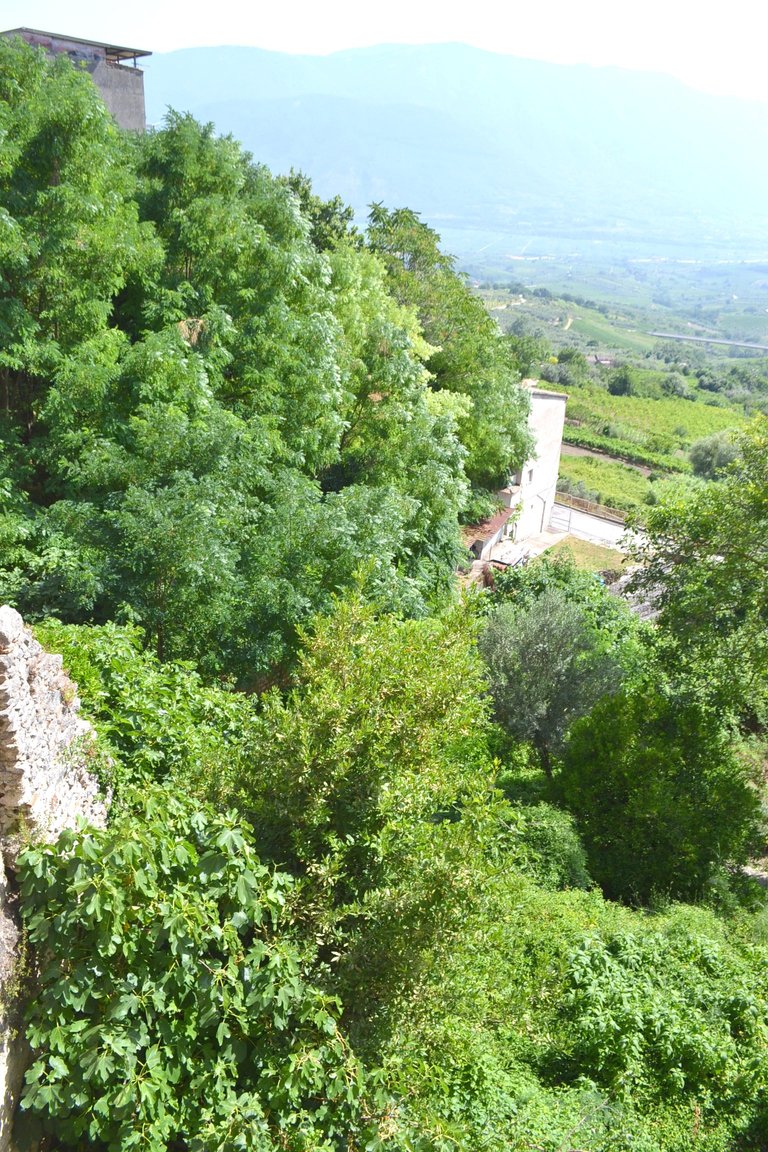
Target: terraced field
644, 419
615, 484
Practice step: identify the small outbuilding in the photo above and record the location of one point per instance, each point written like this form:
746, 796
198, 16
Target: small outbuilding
112, 68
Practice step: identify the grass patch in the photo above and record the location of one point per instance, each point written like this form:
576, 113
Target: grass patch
587, 556
620, 486
607, 333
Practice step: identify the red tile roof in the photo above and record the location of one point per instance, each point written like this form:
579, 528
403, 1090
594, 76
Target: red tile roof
470, 533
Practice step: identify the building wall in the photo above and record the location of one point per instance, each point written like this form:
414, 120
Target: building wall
486, 549
79, 52
538, 478
122, 90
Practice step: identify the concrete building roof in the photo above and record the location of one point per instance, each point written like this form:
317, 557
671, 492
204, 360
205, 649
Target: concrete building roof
534, 387
111, 51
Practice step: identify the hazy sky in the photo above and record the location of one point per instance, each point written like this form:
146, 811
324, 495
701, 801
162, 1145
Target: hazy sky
721, 50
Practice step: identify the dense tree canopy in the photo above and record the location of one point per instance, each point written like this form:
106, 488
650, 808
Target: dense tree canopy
546, 667
467, 357
218, 401
706, 563
661, 794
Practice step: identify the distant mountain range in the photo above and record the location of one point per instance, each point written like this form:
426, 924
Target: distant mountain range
502, 155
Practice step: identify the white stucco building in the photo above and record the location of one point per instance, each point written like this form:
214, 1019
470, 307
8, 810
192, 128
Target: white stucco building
532, 493
529, 499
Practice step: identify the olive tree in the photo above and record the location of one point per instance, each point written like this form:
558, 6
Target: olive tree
547, 665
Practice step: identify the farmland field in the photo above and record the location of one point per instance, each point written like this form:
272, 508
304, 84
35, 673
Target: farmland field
614, 484
681, 421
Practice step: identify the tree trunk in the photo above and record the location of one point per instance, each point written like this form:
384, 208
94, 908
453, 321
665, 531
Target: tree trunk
545, 759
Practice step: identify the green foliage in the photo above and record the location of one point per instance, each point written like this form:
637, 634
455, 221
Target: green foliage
614, 484
547, 667
16, 531
235, 239
159, 721
171, 1011
712, 454
558, 1020
613, 442
481, 505
542, 842
608, 614
331, 221
372, 781
665, 1012
396, 438
622, 382
705, 562
211, 437
68, 220
660, 794
378, 702
468, 356
660, 425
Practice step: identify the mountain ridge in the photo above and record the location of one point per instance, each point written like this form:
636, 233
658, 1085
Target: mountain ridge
527, 148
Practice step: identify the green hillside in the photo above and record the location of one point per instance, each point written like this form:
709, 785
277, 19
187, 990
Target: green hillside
403, 853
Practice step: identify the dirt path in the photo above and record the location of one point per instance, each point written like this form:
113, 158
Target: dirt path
575, 450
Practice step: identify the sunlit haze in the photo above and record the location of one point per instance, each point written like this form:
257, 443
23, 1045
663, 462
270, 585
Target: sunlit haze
719, 50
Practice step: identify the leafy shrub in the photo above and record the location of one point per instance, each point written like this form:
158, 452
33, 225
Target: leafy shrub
659, 793
577, 488
546, 666
158, 720
480, 505
171, 1011
607, 614
711, 454
371, 781
542, 842
666, 1012
622, 381
557, 1020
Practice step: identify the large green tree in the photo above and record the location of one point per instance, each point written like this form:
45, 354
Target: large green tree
469, 356
547, 666
234, 238
70, 235
214, 425
661, 793
705, 563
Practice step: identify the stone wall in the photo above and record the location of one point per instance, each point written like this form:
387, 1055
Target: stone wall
44, 744
45, 785
12, 1054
